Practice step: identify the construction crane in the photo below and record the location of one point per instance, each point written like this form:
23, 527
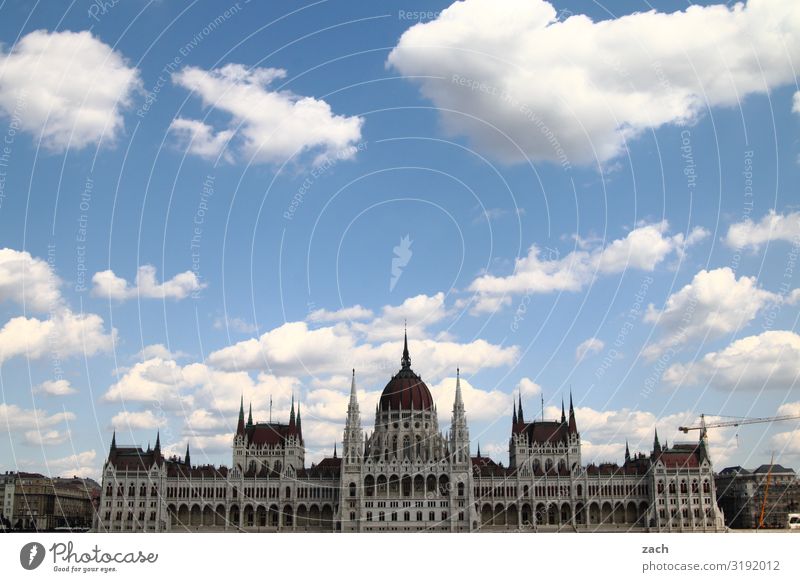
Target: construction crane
704, 426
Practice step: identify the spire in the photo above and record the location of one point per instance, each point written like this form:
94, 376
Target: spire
250, 416
240, 425
334, 450
114, 441
479, 449
187, 460
573, 426
520, 416
458, 406
158, 442
291, 414
353, 396
514, 417
656, 444
405, 362
563, 416
627, 452
299, 422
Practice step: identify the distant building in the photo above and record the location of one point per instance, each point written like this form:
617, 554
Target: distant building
740, 494
31, 501
407, 475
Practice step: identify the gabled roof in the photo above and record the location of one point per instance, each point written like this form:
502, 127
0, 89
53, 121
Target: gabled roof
269, 433
545, 431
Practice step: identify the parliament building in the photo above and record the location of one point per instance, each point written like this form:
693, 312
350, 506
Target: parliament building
408, 476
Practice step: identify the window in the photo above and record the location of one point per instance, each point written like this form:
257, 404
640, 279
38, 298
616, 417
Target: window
369, 516
381, 516
352, 489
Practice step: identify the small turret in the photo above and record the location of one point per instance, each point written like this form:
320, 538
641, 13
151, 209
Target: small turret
573, 426
187, 460
250, 416
627, 453
240, 425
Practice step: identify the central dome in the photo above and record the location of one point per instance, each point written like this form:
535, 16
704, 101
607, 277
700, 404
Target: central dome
406, 390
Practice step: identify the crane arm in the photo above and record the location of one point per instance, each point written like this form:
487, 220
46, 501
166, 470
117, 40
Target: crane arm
686, 429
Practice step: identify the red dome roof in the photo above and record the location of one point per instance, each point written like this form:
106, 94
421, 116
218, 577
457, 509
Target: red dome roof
406, 390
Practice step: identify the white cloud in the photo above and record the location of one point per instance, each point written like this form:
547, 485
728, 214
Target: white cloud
270, 125
520, 82
201, 140
796, 102
13, 418
68, 87
28, 281
109, 285
126, 421
714, 304
355, 312
65, 334
80, 465
479, 404
417, 313
588, 347
45, 438
58, 387
528, 387
771, 227
153, 380
235, 323
770, 360
159, 351
296, 350
643, 248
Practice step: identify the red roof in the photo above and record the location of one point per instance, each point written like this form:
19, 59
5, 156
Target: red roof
545, 431
404, 391
268, 433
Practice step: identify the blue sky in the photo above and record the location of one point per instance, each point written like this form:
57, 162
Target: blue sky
595, 201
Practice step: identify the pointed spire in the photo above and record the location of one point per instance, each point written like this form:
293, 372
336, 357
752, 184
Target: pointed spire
479, 449
573, 426
656, 444
405, 362
299, 422
158, 441
627, 452
250, 416
459, 403
240, 425
187, 460
520, 417
514, 416
353, 394
334, 450
291, 414
563, 416
114, 441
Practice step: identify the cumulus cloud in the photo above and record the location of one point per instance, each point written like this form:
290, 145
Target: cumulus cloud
267, 124
355, 312
13, 418
107, 284
643, 248
588, 347
28, 281
70, 88
201, 140
45, 438
714, 304
81, 464
60, 387
479, 404
235, 323
416, 313
65, 334
528, 387
295, 349
128, 420
159, 351
772, 227
519, 81
770, 360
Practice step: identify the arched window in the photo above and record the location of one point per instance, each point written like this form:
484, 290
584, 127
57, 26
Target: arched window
548, 464
352, 489
672, 486
461, 490
288, 492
